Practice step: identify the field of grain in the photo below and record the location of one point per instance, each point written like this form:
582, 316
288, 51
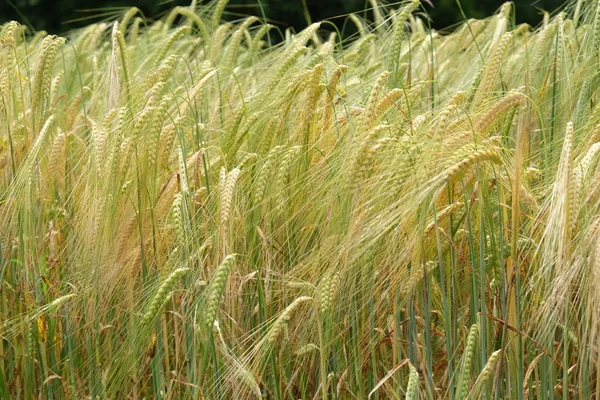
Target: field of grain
191, 209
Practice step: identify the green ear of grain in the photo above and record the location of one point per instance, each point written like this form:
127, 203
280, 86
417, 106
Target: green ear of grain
164, 291
215, 290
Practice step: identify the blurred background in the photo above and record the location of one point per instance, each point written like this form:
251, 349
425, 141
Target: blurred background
59, 16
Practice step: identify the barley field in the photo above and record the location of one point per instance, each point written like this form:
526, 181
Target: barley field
191, 209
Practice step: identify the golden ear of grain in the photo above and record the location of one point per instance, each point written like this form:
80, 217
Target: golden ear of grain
363, 157
288, 63
236, 40
491, 70
227, 192
399, 30
479, 156
370, 108
43, 74
57, 152
498, 110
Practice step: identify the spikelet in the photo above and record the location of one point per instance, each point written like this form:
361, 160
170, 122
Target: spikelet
334, 80
492, 69
257, 39
49, 61
444, 117
56, 303
217, 41
126, 233
178, 218
192, 16
567, 163
135, 30
416, 276
369, 113
306, 34
269, 133
312, 95
281, 322
560, 50
215, 19
247, 161
359, 25
246, 377
265, 173
167, 138
183, 179
154, 94
307, 348
363, 157
43, 72
179, 32
98, 213
329, 96
141, 122
57, 152
155, 131
597, 29
448, 210
399, 29
156, 28
227, 191
162, 295
8, 64
41, 138
235, 139
478, 156
485, 375
236, 41
368, 158
126, 18
215, 291
465, 373
282, 177
416, 123
581, 170
8, 33
290, 60
390, 99
412, 388
358, 55
118, 43
494, 113
55, 86
541, 45
327, 292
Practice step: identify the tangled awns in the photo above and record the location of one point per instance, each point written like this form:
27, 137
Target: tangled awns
199, 209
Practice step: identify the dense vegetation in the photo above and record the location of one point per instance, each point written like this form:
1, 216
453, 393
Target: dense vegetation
190, 212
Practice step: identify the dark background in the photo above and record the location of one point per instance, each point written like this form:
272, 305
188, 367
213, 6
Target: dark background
59, 16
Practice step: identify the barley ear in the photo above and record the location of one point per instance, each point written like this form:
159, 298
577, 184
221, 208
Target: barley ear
215, 291
162, 295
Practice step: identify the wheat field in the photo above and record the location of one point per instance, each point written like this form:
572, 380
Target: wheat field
191, 209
